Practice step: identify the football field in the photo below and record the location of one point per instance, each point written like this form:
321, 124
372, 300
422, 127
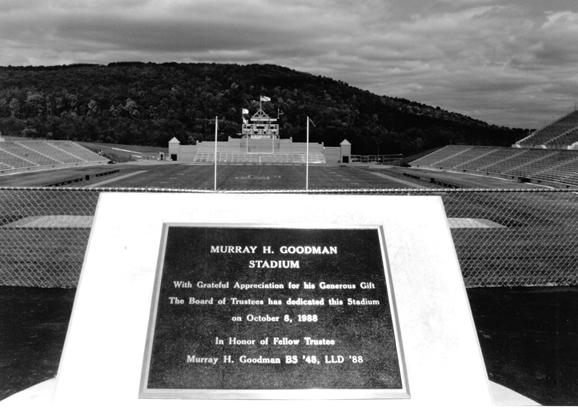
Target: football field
516, 247
290, 177
253, 177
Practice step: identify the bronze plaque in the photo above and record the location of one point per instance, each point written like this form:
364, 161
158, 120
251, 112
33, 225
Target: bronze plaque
273, 312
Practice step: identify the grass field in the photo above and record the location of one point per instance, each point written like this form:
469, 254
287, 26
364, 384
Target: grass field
250, 177
489, 257
290, 177
255, 177
535, 245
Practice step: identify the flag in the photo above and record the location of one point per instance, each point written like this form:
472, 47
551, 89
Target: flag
244, 111
311, 121
264, 99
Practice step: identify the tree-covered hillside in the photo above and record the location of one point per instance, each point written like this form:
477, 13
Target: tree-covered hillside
147, 104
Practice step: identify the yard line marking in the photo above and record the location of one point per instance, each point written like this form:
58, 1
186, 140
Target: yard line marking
126, 151
397, 180
110, 180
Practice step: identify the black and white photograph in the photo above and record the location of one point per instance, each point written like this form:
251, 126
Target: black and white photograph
293, 201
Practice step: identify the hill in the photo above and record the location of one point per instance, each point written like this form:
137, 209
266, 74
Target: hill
147, 104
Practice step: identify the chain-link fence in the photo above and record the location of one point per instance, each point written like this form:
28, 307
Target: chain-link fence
503, 238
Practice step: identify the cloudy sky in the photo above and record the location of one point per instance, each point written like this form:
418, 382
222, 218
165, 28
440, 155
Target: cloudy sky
509, 62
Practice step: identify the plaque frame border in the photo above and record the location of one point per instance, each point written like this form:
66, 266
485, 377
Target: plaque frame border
274, 394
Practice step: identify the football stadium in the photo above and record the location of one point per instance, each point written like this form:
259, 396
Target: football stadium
512, 211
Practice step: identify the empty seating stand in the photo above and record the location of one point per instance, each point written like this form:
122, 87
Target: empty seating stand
565, 173
547, 160
524, 160
565, 140
253, 158
237, 151
77, 151
465, 156
12, 161
556, 166
502, 158
32, 155
563, 130
58, 156
438, 156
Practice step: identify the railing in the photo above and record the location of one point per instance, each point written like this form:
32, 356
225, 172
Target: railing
377, 159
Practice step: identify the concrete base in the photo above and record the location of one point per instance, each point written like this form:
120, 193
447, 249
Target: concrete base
103, 355
41, 395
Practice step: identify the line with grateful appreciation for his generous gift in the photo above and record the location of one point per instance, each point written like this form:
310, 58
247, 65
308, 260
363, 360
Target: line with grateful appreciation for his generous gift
110, 180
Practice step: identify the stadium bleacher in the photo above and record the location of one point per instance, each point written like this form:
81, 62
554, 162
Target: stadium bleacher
443, 154
76, 150
541, 165
565, 173
452, 159
52, 151
262, 158
558, 134
474, 154
12, 161
482, 161
566, 140
263, 151
525, 159
494, 162
31, 155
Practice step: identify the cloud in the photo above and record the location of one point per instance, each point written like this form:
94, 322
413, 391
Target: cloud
492, 59
493, 62
466, 2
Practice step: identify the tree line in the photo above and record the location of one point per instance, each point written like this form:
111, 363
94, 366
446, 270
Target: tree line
148, 104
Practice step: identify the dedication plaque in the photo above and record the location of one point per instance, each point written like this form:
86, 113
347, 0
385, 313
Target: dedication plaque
268, 312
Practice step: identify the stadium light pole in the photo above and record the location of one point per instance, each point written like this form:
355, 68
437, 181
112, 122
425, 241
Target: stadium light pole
216, 131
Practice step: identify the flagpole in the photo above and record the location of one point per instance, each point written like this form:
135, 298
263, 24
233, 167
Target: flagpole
307, 158
216, 131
